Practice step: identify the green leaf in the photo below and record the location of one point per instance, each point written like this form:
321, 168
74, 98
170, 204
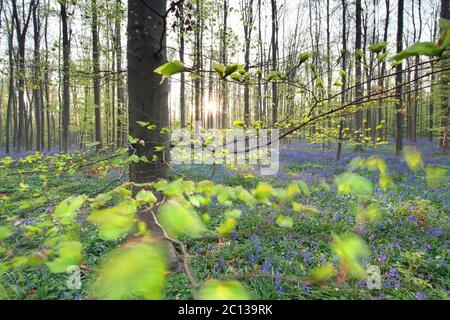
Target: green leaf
170, 68
305, 56
419, 48
177, 219
146, 197
142, 123
263, 191
220, 69
133, 271
66, 210
114, 222
322, 273
232, 68
235, 213
352, 183
70, 254
413, 158
5, 232
435, 176
227, 227
359, 54
377, 47
174, 188
284, 222
222, 290
350, 249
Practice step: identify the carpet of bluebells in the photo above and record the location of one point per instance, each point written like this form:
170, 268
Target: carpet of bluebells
409, 244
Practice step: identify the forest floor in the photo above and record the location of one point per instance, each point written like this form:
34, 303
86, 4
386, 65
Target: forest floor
410, 243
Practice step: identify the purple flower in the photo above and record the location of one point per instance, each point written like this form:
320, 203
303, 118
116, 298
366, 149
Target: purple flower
421, 296
267, 266
252, 259
392, 278
219, 265
434, 232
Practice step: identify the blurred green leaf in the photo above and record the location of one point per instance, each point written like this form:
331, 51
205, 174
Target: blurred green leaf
222, 290
66, 210
227, 227
69, 254
146, 197
351, 183
284, 221
263, 191
114, 222
435, 176
378, 47
136, 270
322, 273
177, 218
413, 158
350, 249
5, 232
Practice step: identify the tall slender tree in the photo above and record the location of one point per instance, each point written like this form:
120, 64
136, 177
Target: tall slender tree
96, 74
398, 81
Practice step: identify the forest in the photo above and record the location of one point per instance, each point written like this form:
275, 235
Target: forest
224, 150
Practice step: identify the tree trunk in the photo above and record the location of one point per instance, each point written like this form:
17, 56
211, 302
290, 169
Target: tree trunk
224, 113
148, 99
65, 119
445, 100
182, 76
344, 81
21, 39
358, 75
398, 82
274, 43
96, 76
37, 78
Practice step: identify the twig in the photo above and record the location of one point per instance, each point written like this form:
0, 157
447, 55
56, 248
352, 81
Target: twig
186, 266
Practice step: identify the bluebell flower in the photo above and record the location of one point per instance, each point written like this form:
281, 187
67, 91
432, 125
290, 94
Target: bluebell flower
219, 265
421, 296
434, 232
267, 266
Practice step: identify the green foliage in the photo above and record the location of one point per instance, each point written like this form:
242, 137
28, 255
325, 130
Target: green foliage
177, 218
222, 290
378, 47
350, 249
305, 56
284, 222
134, 271
420, 48
263, 192
114, 222
170, 68
227, 227
69, 254
351, 183
322, 273
66, 210
413, 159
146, 197
435, 176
